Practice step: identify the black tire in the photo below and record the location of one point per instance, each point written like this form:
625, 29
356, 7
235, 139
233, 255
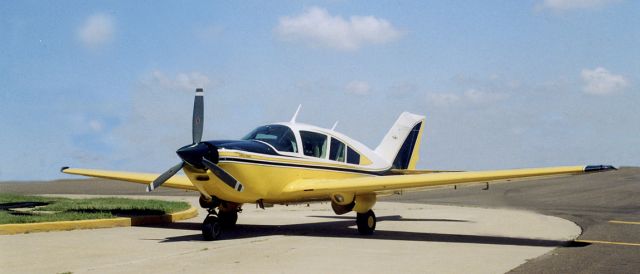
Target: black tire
228, 219
211, 228
366, 222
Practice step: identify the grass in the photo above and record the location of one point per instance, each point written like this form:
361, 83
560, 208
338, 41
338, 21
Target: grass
49, 209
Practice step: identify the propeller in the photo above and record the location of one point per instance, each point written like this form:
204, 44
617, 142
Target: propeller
164, 177
223, 175
200, 155
198, 116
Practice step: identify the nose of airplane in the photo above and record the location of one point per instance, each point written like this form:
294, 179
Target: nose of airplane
193, 154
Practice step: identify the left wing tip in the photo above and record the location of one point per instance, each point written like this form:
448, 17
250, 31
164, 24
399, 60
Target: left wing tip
595, 168
62, 169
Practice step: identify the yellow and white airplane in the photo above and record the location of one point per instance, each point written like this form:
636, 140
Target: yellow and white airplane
293, 162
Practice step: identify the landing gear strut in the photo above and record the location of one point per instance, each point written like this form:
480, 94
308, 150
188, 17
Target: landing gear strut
212, 202
366, 222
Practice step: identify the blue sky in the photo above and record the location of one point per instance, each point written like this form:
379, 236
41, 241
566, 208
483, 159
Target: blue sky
504, 84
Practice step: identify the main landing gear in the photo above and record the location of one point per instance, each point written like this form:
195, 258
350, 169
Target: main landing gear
366, 222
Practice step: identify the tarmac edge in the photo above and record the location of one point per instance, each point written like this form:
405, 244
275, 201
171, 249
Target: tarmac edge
9, 229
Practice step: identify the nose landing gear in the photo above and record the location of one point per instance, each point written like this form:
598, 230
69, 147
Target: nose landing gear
228, 219
211, 228
221, 215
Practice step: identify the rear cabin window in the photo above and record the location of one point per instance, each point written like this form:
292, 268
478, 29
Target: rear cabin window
314, 144
279, 136
353, 157
336, 151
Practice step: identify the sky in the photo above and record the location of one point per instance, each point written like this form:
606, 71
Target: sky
503, 84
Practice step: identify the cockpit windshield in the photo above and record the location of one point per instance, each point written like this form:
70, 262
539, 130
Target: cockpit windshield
279, 136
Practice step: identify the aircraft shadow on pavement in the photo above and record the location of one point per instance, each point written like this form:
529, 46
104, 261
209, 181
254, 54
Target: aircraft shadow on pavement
394, 218
8, 206
346, 229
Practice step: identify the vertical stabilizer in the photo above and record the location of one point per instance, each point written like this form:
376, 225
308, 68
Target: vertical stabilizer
401, 145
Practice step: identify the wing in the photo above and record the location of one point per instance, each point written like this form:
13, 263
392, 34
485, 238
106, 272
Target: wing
314, 188
176, 181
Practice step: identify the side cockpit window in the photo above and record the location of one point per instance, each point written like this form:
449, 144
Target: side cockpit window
337, 150
279, 136
353, 157
314, 144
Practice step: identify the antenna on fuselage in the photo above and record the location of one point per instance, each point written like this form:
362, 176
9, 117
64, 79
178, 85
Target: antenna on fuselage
295, 115
334, 125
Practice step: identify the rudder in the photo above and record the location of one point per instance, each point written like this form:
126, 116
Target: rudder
401, 145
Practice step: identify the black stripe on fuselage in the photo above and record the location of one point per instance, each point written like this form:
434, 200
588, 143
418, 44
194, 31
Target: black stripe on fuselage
243, 160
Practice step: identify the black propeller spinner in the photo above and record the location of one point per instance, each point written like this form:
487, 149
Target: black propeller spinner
200, 155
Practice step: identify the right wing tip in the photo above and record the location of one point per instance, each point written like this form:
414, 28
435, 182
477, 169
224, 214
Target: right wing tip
62, 169
595, 168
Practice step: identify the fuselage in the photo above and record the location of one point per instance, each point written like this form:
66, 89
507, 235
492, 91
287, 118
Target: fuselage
272, 156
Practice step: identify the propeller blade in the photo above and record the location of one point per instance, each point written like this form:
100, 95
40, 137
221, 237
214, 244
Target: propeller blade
223, 175
164, 177
198, 115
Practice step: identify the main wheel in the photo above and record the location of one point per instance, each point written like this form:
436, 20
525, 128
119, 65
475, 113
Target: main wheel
228, 219
211, 228
366, 222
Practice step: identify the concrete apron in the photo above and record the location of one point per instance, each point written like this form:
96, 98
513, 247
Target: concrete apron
293, 239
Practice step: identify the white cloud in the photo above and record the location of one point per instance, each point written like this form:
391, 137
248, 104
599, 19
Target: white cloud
358, 88
481, 97
96, 125
443, 99
600, 81
564, 5
209, 33
160, 119
182, 81
470, 96
96, 31
318, 28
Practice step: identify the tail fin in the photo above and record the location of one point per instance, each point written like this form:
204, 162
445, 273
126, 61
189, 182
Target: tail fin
401, 145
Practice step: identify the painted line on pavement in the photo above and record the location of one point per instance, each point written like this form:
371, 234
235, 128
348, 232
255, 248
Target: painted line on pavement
607, 242
624, 222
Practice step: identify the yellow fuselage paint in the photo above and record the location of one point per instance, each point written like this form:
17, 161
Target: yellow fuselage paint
264, 177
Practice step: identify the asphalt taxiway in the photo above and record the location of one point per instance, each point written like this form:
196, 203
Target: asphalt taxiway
410, 238
606, 206
443, 230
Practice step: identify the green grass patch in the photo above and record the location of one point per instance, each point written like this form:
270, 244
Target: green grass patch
49, 209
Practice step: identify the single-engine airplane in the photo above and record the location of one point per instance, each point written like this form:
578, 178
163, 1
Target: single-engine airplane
292, 162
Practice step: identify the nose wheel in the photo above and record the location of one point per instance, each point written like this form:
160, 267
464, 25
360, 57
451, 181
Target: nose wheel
211, 228
217, 220
366, 222
228, 219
